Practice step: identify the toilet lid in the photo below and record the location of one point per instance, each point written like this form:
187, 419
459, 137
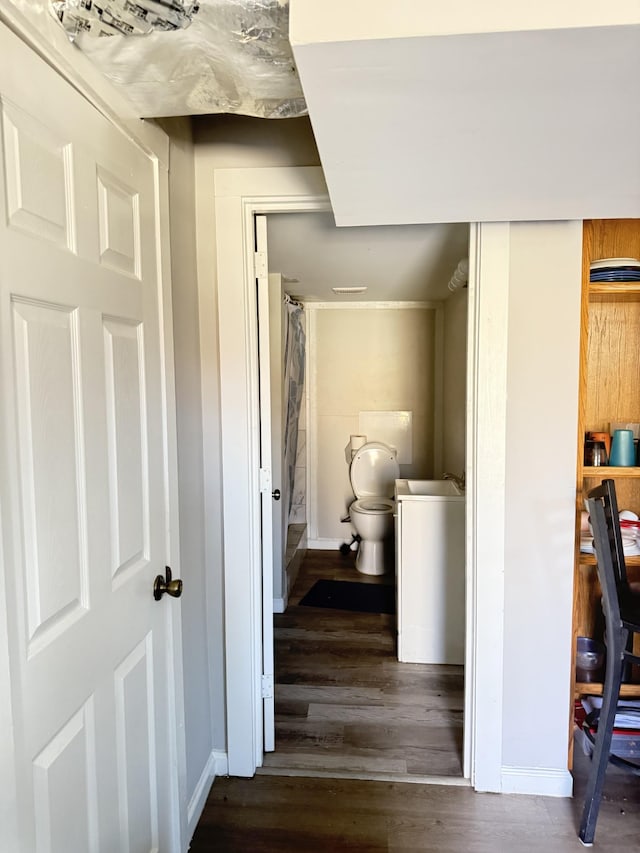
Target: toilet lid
374, 470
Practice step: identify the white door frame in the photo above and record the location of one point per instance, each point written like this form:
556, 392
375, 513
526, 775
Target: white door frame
70, 64
240, 194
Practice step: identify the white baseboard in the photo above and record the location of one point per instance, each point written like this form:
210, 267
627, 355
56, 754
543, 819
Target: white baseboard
541, 781
280, 604
221, 763
217, 765
325, 544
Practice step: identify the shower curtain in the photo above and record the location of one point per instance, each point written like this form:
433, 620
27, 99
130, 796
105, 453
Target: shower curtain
294, 353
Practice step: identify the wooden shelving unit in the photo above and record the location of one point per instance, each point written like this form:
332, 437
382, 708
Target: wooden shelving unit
609, 392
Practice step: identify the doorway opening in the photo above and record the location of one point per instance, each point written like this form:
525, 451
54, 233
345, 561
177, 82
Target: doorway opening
229, 212
391, 341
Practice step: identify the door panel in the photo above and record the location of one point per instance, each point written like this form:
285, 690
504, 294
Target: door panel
47, 379
136, 749
267, 500
276, 358
38, 166
82, 474
127, 450
119, 224
68, 759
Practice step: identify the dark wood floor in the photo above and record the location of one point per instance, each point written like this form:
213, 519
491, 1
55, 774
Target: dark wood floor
310, 815
345, 705
342, 701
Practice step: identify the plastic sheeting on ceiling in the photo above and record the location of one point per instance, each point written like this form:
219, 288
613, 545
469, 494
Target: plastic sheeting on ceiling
177, 57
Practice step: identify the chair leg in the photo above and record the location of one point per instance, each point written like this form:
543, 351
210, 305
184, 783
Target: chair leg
602, 749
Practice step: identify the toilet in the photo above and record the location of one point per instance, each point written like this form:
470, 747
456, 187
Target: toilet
373, 471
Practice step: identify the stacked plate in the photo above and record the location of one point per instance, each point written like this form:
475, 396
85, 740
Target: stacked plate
630, 547
615, 269
586, 544
630, 534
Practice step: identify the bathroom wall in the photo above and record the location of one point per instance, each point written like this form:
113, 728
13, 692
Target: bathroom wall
364, 357
454, 382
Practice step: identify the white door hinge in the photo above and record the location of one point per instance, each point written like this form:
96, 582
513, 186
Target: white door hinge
267, 687
260, 264
265, 480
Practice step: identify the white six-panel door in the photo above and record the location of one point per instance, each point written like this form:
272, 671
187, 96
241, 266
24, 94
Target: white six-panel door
82, 474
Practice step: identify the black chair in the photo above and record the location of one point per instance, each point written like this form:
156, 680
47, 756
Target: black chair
621, 607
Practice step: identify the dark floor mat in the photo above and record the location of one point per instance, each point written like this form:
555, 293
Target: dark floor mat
352, 595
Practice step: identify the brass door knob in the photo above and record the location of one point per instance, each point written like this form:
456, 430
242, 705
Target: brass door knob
166, 584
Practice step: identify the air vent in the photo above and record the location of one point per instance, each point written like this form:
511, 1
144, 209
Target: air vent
347, 290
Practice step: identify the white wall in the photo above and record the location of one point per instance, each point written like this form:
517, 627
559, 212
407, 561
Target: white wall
201, 629
454, 382
226, 142
364, 359
542, 411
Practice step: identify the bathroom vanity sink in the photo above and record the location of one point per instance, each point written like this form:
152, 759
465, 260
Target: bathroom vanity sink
426, 489
430, 571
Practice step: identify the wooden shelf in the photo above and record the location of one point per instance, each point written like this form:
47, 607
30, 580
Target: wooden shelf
586, 688
590, 560
609, 472
615, 287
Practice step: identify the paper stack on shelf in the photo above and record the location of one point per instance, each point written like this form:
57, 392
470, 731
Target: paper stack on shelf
626, 728
627, 715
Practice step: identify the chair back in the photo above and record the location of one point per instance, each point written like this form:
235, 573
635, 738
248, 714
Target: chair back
622, 621
606, 493
607, 543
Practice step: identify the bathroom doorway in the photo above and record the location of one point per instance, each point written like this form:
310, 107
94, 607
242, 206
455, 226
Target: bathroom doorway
238, 195
397, 343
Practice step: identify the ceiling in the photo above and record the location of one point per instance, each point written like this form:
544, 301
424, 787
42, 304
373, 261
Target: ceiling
466, 112
422, 112
395, 263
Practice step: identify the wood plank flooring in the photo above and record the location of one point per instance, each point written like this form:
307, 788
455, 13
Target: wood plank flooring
344, 702
310, 815
345, 705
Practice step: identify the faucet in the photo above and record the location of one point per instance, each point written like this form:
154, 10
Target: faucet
458, 479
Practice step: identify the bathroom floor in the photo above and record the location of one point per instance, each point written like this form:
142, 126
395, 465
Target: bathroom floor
345, 706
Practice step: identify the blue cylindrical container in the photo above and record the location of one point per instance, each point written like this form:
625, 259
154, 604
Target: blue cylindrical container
622, 449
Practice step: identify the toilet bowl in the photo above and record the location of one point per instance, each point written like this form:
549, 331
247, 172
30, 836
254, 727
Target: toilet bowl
373, 472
